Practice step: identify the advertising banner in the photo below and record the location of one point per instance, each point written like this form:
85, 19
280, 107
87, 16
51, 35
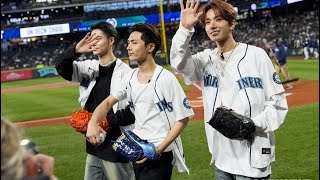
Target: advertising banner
16, 75
45, 30
44, 72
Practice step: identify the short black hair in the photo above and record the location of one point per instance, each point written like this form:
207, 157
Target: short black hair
150, 34
107, 28
277, 41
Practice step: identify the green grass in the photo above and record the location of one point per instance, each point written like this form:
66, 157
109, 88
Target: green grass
297, 153
297, 150
65, 145
40, 104
183, 85
56, 102
304, 70
48, 103
30, 82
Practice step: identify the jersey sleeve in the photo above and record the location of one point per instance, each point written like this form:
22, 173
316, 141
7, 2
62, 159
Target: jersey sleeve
180, 103
275, 107
270, 79
121, 93
64, 64
181, 59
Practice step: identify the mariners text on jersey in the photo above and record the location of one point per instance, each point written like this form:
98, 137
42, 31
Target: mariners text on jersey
243, 83
252, 82
209, 80
163, 104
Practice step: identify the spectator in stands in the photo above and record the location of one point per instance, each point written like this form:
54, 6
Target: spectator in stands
5, 45
16, 161
314, 47
305, 45
97, 80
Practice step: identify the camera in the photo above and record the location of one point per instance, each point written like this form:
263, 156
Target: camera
30, 146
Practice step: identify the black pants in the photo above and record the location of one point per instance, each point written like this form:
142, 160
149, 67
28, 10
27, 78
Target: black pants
160, 169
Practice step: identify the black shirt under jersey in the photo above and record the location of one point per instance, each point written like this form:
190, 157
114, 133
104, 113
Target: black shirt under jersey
100, 91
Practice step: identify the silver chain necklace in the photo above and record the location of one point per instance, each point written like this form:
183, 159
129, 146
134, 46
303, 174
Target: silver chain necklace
223, 66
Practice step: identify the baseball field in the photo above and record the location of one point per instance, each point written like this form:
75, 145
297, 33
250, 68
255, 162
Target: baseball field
41, 107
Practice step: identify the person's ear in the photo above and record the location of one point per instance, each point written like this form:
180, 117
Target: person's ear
151, 47
111, 40
233, 25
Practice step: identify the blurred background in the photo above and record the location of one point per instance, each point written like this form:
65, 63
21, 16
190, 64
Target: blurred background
35, 32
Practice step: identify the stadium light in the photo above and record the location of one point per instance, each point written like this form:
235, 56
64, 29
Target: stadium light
293, 1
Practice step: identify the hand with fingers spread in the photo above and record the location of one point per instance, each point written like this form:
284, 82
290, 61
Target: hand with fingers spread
189, 15
86, 44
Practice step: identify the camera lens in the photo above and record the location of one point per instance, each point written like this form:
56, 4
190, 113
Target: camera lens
29, 146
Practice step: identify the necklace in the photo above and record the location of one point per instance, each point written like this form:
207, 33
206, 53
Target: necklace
226, 60
143, 79
109, 63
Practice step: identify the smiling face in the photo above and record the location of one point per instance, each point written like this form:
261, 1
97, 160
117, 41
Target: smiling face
216, 27
104, 45
137, 49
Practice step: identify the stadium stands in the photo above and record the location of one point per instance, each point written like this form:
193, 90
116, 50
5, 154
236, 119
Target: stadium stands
292, 24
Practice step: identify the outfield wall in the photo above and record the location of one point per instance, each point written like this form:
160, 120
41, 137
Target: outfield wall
24, 74
33, 73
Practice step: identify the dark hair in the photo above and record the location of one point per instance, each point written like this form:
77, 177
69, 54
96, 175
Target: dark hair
220, 8
277, 40
150, 34
108, 29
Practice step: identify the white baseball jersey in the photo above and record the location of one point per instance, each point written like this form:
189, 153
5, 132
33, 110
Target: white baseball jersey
157, 105
248, 84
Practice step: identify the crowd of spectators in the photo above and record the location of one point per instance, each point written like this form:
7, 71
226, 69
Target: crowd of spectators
296, 30
7, 5
37, 54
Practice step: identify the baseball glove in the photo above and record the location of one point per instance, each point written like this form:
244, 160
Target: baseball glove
231, 124
130, 146
79, 121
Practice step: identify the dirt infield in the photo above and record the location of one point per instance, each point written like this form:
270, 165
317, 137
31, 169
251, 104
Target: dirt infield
303, 92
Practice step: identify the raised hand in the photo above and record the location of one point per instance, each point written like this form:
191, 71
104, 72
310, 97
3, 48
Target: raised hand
189, 15
86, 44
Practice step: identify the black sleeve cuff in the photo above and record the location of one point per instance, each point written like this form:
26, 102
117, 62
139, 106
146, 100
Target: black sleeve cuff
65, 61
122, 117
